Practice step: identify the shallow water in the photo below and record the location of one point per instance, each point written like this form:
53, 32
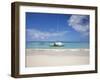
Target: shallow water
45, 44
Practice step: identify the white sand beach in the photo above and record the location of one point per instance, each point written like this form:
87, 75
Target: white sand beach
56, 57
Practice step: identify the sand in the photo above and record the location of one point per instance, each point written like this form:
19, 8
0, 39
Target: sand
56, 57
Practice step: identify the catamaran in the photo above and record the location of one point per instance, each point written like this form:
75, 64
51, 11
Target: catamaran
57, 43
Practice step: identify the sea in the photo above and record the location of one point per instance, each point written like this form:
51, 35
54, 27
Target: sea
47, 45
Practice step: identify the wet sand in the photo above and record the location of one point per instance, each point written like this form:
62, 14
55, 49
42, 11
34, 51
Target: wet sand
56, 57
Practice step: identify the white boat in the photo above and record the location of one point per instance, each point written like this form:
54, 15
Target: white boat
57, 44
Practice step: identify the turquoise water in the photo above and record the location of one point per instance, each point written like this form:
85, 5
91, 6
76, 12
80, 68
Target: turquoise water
46, 45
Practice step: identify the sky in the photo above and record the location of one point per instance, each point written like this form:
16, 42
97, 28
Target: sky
57, 27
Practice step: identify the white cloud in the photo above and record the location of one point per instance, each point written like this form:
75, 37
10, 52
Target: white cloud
77, 23
33, 34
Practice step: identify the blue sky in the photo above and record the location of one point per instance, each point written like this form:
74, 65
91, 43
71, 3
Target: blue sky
57, 27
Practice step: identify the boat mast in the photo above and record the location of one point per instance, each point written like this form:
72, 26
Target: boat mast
57, 25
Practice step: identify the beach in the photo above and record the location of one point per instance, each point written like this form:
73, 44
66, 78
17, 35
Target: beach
56, 57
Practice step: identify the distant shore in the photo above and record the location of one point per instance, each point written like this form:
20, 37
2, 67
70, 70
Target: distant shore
56, 57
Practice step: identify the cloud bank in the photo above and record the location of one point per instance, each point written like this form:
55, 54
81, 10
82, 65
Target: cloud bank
79, 23
33, 34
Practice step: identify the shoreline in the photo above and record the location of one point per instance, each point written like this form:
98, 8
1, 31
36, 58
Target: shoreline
57, 51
